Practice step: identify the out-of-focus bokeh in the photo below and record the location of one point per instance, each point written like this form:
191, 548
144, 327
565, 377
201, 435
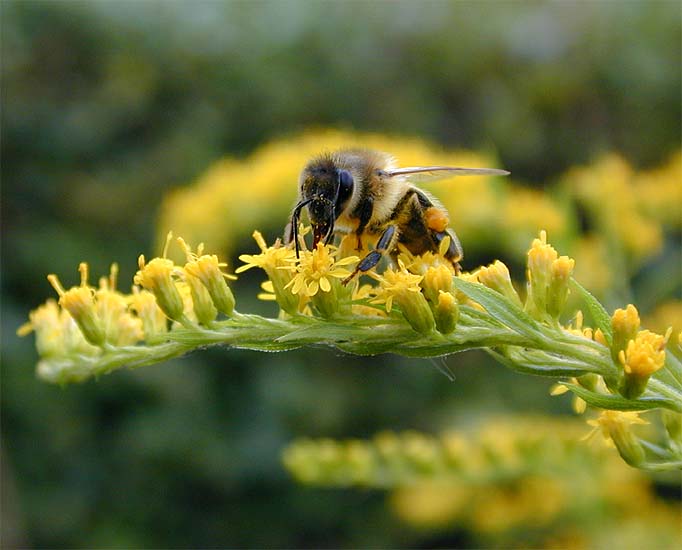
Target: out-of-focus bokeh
121, 120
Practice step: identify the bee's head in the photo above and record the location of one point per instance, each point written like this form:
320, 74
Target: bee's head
325, 189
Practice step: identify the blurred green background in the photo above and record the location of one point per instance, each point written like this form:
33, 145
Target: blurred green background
107, 106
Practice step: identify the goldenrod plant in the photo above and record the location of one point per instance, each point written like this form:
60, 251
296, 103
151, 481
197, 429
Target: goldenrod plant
496, 476
418, 307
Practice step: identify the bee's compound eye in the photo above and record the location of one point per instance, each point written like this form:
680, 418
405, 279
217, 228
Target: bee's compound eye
345, 186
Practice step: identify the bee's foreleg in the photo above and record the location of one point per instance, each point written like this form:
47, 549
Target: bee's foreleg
385, 244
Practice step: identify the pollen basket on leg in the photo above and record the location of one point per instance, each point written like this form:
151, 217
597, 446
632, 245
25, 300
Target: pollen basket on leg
436, 219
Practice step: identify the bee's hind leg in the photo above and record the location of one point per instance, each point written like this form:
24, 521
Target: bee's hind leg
385, 244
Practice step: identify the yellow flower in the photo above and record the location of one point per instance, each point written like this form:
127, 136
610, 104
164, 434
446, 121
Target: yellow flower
120, 327
158, 276
496, 276
541, 257
275, 261
403, 287
615, 427
446, 312
557, 293
79, 301
396, 283
625, 324
154, 320
207, 269
270, 258
643, 356
437, 279
57, 334
268, 294
318, 275
315, 270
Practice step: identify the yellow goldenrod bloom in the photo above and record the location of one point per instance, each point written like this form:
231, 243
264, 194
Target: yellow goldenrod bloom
79, 301
420, 264
643, 356
316, 269
401, 286
395, 283
436, 279
157, 276
120, 327
615, 427
317, 276
496, 276
541, 257
57, 334
154, 320
557, 293
446, 312
625, 326
207, 269
275, 261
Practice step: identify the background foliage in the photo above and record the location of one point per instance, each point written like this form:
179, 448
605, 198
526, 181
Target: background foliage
108, 106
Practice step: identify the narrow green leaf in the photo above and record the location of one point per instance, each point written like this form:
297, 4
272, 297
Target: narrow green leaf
599, 315
671, 373
499, 307
550, 370
618, 403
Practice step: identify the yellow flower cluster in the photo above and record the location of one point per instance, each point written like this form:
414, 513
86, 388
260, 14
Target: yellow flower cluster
87, 320
502, 474
422, 290
627, 211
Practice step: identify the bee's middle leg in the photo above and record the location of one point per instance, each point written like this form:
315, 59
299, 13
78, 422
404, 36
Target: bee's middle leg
385, 244
454, 252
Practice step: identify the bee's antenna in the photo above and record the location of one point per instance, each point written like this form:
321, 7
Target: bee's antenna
295, 217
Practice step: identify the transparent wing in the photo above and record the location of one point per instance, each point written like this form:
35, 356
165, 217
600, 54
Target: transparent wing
422, 174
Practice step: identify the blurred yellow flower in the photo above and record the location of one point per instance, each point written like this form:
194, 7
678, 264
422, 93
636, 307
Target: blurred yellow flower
606, 189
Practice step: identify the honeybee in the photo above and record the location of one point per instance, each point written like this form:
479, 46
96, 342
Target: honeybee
362, 192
